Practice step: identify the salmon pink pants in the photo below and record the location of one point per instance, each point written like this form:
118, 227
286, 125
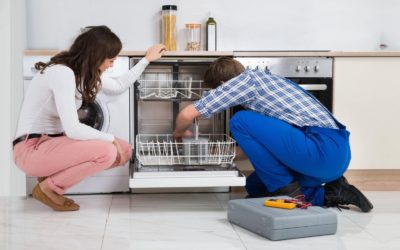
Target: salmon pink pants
65, 161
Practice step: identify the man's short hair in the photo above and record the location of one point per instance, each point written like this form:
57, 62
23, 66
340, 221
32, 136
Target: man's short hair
221, 70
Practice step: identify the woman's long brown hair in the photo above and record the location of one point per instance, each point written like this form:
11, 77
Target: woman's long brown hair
85, 56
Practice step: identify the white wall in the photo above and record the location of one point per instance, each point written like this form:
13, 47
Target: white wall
5, 102
350, 25
12, 44
389, 20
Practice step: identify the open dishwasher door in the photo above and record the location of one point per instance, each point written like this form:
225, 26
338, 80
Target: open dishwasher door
160, 161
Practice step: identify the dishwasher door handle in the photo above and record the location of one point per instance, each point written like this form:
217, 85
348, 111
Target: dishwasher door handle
314, 87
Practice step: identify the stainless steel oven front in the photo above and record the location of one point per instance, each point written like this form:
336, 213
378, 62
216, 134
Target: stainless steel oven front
160, 161
314, 74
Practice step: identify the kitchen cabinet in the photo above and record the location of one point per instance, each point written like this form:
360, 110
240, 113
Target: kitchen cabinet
367, 101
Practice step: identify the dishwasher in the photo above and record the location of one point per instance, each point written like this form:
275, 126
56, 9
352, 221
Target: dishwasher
160, 161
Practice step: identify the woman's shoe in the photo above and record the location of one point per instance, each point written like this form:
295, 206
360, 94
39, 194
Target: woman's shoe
40, 179
38, 194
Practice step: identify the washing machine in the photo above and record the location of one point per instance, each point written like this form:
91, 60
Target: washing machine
108, 114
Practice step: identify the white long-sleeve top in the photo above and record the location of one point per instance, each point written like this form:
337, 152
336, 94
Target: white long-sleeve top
52, 100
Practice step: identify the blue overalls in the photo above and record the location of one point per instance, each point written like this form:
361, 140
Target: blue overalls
282, 153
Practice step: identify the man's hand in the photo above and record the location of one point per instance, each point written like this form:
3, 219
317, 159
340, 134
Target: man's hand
240, 155
184, 121
186, 133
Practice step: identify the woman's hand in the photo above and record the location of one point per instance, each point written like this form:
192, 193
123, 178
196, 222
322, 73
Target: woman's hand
155, 52
121, 157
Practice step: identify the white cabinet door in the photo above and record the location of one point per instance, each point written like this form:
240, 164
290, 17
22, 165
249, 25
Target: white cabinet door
367, 101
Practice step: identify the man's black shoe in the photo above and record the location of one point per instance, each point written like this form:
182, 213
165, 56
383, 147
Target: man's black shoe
340, 192
292, 190
259, 195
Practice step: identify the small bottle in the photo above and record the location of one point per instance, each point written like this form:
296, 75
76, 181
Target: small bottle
211, 33
169, 26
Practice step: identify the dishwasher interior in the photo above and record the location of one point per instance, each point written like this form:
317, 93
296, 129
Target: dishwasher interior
205, 160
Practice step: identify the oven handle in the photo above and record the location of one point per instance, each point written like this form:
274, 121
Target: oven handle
314, 87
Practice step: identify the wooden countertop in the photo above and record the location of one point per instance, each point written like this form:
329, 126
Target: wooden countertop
244, 53
142, 53
318, 54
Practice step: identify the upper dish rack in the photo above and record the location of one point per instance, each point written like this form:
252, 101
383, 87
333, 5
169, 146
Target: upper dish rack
161, 86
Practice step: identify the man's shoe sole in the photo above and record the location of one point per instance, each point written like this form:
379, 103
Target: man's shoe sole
365, 204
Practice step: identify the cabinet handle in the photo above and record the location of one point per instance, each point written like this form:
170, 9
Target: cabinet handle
314, 87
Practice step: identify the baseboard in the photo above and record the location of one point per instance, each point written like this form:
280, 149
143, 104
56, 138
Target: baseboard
367, 179
375, 179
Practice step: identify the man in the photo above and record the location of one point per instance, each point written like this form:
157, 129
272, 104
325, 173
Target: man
294, 143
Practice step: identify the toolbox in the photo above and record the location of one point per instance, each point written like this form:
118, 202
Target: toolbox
278, 223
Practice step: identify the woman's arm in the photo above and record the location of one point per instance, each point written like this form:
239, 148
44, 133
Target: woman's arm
112, 86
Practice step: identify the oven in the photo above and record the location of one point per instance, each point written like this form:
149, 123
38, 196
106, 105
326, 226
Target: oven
314, 74
205, 162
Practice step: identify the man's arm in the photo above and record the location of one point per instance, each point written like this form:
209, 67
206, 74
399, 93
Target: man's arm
185, 119
236, 91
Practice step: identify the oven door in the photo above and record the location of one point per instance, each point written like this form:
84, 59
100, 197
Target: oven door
320, 88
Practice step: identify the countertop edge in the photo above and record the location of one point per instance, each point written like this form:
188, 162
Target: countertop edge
139, 53
243, 53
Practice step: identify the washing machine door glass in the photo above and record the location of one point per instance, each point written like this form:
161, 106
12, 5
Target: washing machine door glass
91, 114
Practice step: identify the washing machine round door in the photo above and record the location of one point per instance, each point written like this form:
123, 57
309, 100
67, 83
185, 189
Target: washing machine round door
94, 114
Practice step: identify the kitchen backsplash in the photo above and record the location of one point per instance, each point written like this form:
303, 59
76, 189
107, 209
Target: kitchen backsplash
341, 25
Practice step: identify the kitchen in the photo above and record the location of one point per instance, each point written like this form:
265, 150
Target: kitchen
362, 41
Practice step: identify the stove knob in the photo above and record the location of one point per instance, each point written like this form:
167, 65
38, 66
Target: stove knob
248, 67
257, 67
298, 68
307, 68
316, 68
267, 68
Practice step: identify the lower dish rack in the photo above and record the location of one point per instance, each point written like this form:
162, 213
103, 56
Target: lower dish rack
164, 150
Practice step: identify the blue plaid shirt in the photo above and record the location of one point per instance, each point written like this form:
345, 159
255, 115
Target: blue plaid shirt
270, 95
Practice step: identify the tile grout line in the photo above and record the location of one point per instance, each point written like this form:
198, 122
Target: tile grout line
363, 229
238, 235
219, 202
233, 228
105, 226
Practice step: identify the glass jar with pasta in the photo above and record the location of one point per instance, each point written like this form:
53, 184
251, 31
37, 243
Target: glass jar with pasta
169, 26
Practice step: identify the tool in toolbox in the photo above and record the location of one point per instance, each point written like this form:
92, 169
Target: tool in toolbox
287, 203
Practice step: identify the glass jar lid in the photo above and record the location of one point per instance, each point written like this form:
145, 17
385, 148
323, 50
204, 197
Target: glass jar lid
193, 25
169, 7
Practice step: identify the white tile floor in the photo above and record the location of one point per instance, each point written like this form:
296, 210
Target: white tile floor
178, 221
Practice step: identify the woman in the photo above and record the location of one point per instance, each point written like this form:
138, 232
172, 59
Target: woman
50, 141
